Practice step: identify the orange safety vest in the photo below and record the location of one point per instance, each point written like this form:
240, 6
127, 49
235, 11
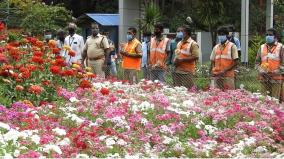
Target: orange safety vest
271, 58
223, 59
158, 55
131, 62
185, 52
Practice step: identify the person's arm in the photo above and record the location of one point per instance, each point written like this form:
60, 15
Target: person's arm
258, 60
212, 59
138, 54
238, 44
84, 53
106, 49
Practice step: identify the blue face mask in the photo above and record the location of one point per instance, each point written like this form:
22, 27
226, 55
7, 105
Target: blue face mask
269, 39
129, 37
222, 38
179, 35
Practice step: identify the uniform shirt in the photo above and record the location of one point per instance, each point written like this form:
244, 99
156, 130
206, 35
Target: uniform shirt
236, 41
258, 56
145, 50
194, 48
95, 46
76, 43
234, 51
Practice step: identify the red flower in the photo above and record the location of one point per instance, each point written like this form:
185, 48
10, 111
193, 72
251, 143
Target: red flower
55, 69
71, 53
35, 89
45, 83
38, 53
37, 59
26, 74
104, 91
31, 67
59, 62
68, 72
2, 26
85, 84
56, 50
3, 58
19, 88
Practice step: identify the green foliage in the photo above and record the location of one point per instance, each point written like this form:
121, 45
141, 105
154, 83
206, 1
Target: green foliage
254, 45
42, 17
151, 17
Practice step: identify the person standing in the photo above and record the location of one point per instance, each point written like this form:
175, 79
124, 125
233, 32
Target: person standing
224, 59
186, 55
232, 38
96, 51
270, 65
173, 46
131, 56
76, 44
145, 54
60, 42
111, 60
159, 51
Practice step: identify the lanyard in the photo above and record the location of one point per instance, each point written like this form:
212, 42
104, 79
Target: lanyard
70, 43
270, 50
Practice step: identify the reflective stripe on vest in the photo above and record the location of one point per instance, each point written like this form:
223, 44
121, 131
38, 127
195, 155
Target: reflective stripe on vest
185, 52
272, 58
223, 59
158, 54
130, 48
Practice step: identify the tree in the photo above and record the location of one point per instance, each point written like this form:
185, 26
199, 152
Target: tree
41, 17
151, 17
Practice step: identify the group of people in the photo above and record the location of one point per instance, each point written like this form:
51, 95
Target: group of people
157, 54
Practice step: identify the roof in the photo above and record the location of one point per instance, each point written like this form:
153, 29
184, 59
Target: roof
105, 19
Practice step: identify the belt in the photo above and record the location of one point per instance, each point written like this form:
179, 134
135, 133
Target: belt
97, 58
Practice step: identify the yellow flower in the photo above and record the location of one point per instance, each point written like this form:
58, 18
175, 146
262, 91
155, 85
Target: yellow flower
265, 65
66, 47
89, 69
76, 66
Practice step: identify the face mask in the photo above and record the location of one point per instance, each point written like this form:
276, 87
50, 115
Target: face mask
179, 35
269, 39
47, 36
222, 38
129, 37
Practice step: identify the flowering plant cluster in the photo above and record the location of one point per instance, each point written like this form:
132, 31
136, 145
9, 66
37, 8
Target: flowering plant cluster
114, 119
33, 70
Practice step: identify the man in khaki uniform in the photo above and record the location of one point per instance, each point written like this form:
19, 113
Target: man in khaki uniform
270, 65
224, 59
186, 55
96, 51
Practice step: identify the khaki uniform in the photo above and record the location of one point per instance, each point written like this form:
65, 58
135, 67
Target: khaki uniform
226, 54
95, 47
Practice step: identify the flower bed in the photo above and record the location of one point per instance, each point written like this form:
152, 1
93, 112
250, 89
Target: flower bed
145, 120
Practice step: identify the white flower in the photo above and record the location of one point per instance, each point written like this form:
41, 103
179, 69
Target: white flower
121, 142
4, 126
271, 111
7, 156
109, 142
188, 103
82, 156
55, 148
178, 147
12, 135
211, 129
59, 131
73, 99
64, 142
167, 140
102, 138
35, 139
260, 149
251, 123
16, 153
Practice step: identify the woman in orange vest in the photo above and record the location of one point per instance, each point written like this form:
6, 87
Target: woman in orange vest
269, 62
186, 55
159, 51
224, 59
132, 53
